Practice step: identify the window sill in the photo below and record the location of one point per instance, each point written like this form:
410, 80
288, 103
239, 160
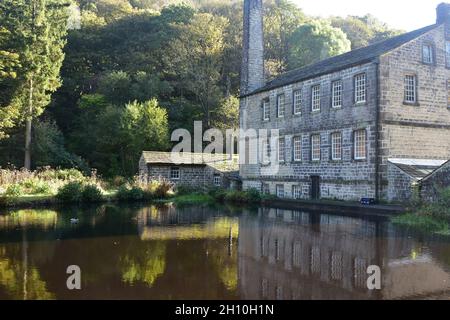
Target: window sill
360, 104
360, 160
430, 64
336, 108
315, 112
413, 104
297, 162
297, 115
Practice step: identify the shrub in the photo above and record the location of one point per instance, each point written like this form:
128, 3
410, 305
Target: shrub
14, 190
444, 199
254, 196
184, 190
218, 194
136, 194
118, 181
163, 189
92, 193
71, 192
122, 193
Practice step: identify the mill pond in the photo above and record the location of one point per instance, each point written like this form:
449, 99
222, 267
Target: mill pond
214, 252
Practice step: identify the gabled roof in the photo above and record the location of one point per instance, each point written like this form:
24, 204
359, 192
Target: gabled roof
219, 161
343, 61
418, 169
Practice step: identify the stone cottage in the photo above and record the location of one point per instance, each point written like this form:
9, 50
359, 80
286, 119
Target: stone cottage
345, 123
193, 170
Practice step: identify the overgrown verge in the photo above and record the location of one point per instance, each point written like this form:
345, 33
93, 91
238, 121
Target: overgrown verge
429, 217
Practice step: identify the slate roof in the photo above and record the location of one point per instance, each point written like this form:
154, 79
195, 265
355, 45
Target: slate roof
221, 162
343, 61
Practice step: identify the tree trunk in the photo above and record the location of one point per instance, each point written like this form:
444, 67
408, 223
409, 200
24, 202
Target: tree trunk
27, 163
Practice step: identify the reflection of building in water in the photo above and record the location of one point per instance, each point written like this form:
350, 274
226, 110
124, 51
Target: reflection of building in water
170, 223
296, 255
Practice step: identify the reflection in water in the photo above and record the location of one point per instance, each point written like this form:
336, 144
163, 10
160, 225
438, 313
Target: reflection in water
213, 253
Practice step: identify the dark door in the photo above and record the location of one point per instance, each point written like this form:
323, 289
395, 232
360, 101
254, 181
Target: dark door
315, 187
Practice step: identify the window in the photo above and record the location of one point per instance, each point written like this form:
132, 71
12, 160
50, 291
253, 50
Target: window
360, 145
296, 192
280, 106
315, 147
298, 149
336, 146
266, 152
266, 110
447, 54
315, 98
410, 89
175, 173
298, 102
280, 191
336, 94
427, 54
360, 88
281, 150
217, 180
266, 188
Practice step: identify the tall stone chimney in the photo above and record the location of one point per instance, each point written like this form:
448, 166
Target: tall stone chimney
443, 13
252, 71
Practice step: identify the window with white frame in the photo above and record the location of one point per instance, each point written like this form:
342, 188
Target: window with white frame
336, 94
280, 191
297, 148
298, 102
447, 54
280, 106
336, 146
410, 88
217, 180
427, 53
360, 88
265, 154
175, 173
315, 147
296, 192
315, 98
281, 150
266, 110
360, 144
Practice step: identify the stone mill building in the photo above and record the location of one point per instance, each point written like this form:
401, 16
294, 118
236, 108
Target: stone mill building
373, 122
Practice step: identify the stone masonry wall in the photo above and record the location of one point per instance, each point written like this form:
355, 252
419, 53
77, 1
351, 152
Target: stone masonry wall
422, 130
346, 179
400, 188
431, 186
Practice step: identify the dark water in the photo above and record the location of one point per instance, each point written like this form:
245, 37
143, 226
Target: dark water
214, 253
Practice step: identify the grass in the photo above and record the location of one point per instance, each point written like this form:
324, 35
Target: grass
424, 223
189, 199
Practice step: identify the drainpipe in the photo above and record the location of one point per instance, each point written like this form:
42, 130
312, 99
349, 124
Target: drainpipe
377, 132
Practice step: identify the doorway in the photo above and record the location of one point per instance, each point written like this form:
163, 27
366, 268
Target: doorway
315, 187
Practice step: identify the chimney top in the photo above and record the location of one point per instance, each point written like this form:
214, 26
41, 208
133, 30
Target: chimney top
443, 13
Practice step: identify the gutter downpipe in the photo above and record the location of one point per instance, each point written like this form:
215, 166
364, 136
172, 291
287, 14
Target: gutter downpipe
377, 132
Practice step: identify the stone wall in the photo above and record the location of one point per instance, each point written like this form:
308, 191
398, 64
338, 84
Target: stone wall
420, 130
193, 176
347, 179
432, 185
400, 187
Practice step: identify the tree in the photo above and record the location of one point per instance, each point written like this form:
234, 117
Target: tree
281, 19
39, 30
196, 56
316, 41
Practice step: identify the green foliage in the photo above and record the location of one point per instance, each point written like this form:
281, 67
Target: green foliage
163, 189
71, 192
14, 190
316, 41
422, 223
91, 193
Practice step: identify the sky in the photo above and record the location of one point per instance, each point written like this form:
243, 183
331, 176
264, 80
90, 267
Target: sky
406, 15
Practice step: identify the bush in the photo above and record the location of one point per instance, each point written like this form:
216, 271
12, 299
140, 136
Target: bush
135, 194
218, 194
444, 199
92, 193
71, 192
184, 190
14, 190
163, 189
254, 196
